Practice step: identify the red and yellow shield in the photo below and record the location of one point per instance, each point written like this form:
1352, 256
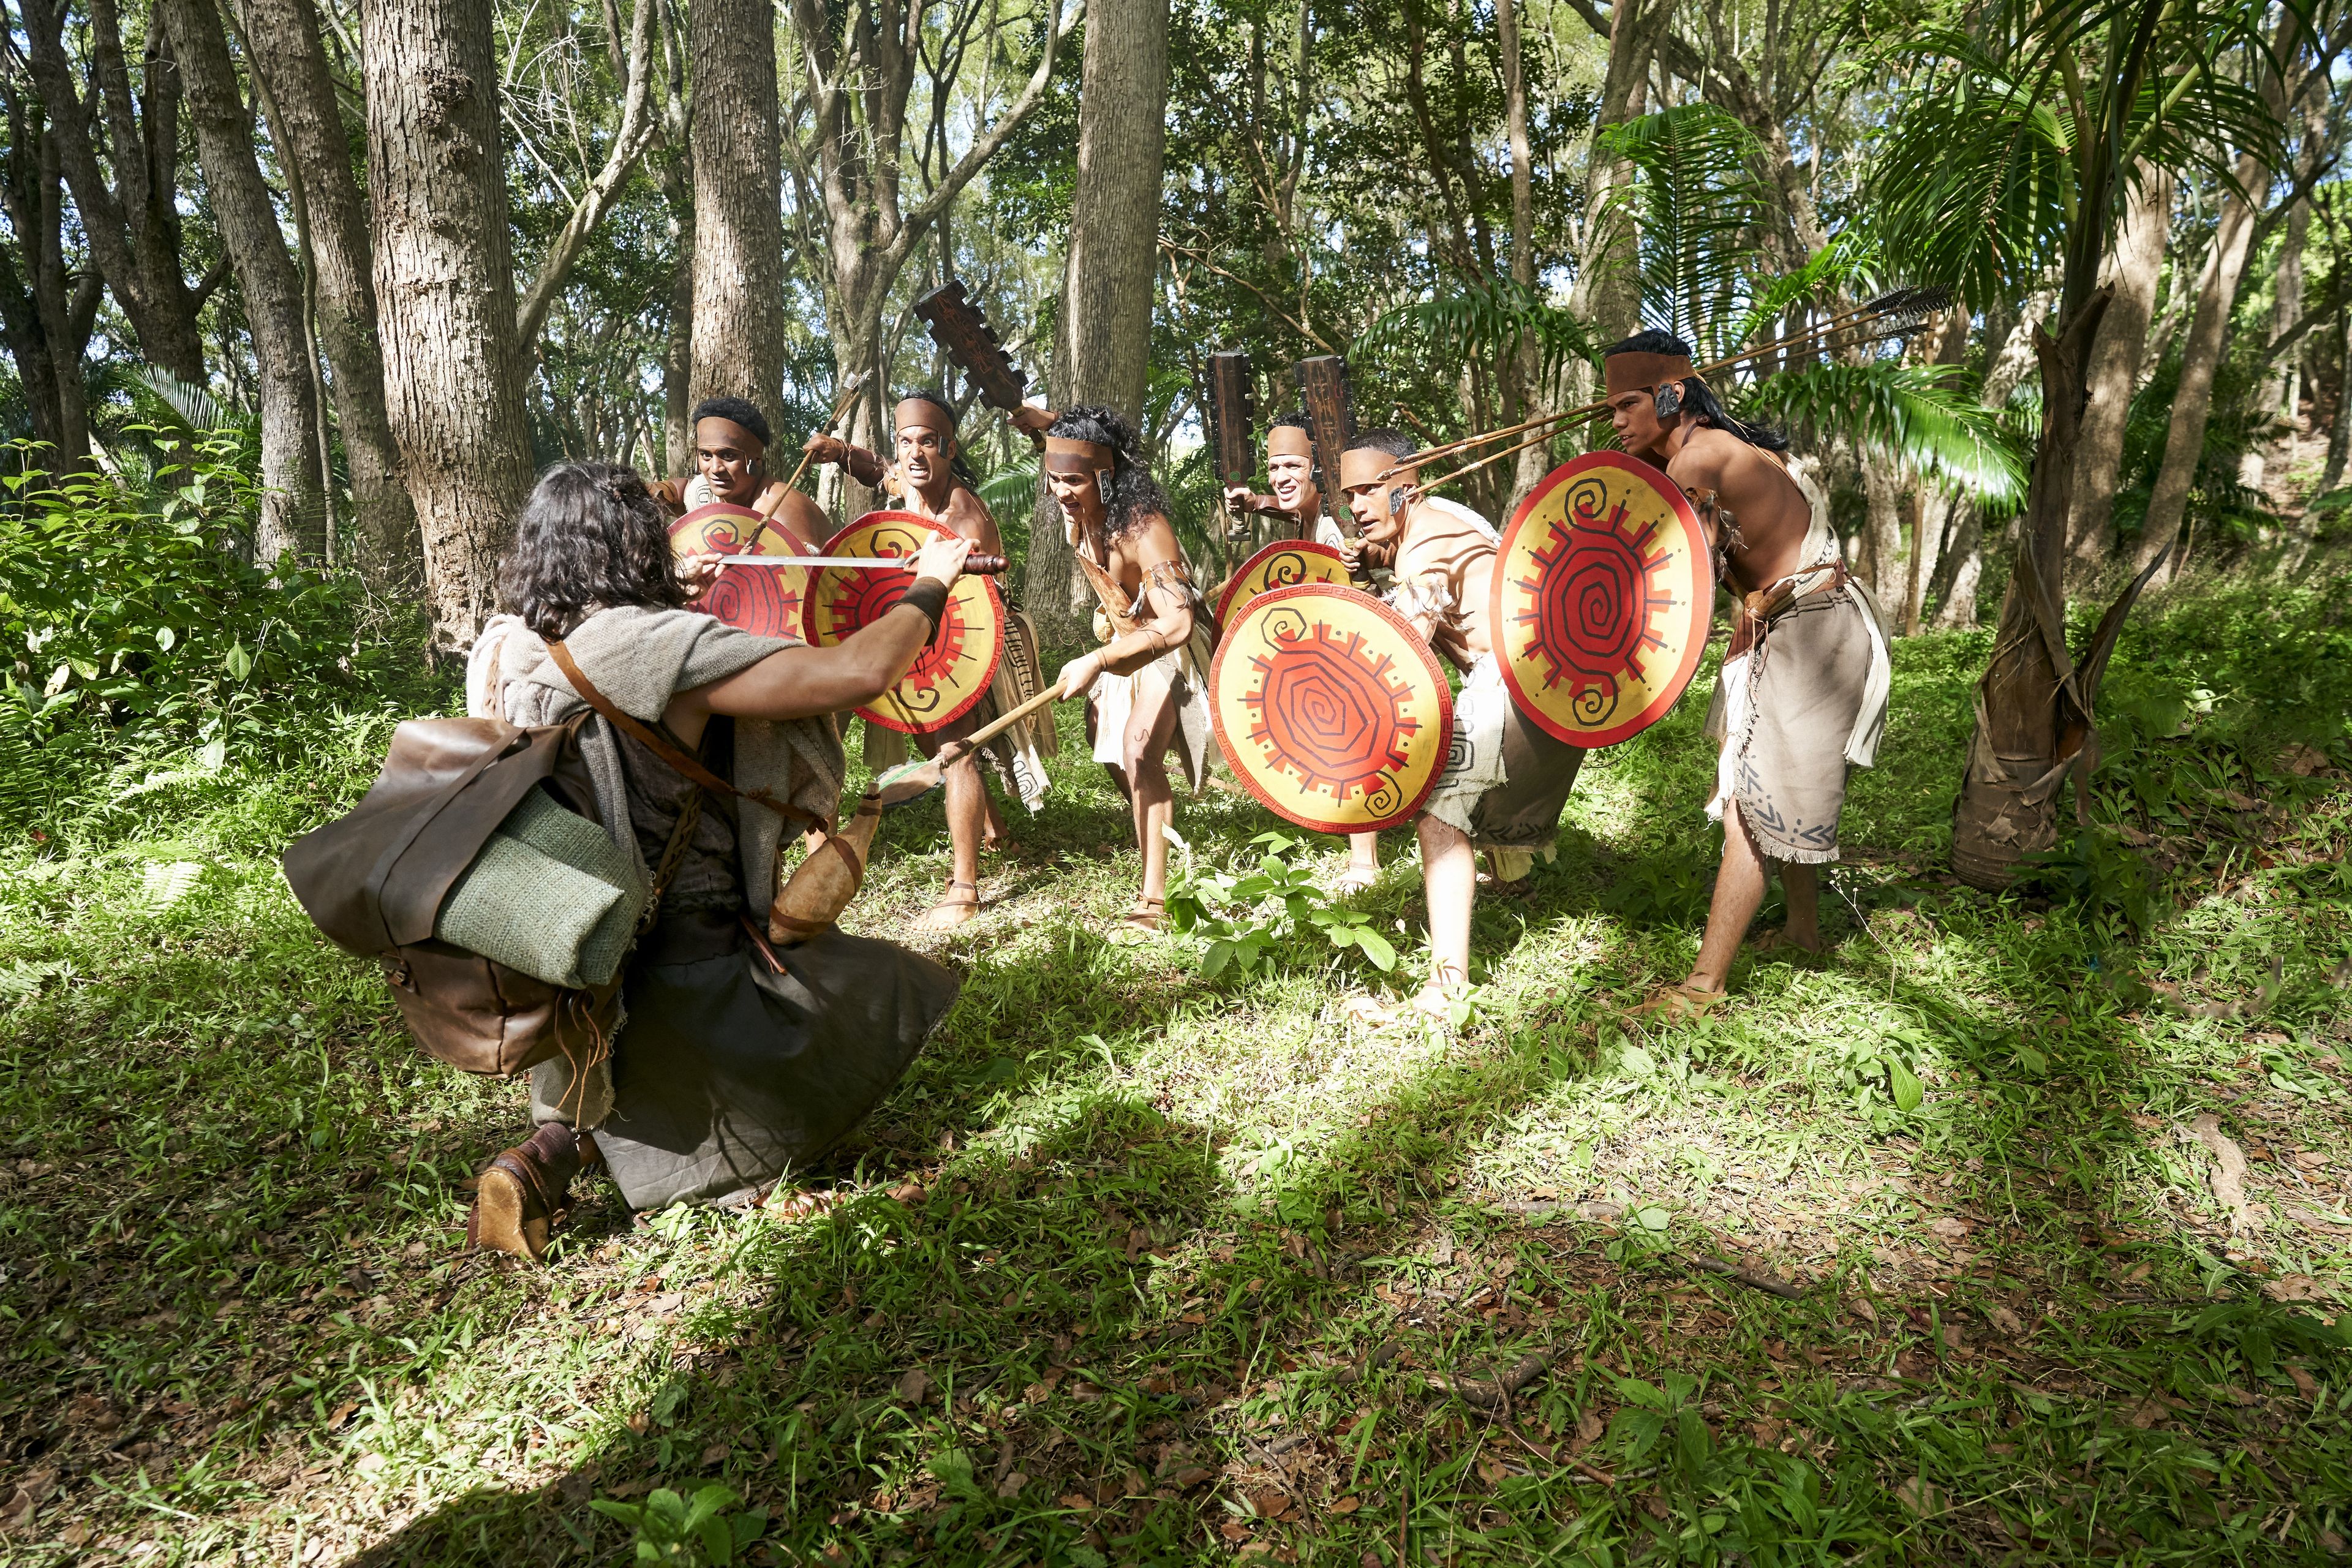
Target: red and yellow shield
763, 600
1280, 566
1329, 710
1602, 589
948, 677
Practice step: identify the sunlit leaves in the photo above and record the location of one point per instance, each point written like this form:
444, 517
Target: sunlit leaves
1921, 418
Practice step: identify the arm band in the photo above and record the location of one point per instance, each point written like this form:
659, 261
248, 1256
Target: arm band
929, 596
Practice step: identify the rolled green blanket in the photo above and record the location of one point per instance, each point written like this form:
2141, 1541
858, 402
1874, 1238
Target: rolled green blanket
548, 895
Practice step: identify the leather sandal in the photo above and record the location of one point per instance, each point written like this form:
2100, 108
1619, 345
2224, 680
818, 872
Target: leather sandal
951, 911
515, 1200
1679, 1003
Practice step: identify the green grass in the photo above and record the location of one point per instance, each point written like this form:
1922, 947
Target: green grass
1138, 1268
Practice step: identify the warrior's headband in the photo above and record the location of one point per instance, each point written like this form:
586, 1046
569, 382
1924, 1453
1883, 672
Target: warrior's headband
1636, 371
922, 411
1289, 441
1069, 455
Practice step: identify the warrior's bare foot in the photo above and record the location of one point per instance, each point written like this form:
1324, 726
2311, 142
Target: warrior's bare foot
961, 904
1144, 919
1679, 1003
1354, 879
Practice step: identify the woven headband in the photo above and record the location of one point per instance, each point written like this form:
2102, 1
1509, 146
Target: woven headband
1636, 371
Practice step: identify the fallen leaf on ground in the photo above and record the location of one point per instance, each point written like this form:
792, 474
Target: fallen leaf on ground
2305, 1383
2229, 1178
2005, 1321
1920, 1497
1948, 1228
914, 1386
2294, 1288
1011, 1485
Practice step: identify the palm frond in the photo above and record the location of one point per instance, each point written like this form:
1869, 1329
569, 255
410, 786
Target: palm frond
1695, 203
194, 406
1487, 320
1012, 489
1923, 417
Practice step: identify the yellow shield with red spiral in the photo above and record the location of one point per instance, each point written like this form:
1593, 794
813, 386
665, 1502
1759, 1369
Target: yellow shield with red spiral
1603, 590
950, 676
1329, 709
1279, 565
762, 600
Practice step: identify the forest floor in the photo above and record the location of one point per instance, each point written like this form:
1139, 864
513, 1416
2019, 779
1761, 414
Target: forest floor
2050, 1192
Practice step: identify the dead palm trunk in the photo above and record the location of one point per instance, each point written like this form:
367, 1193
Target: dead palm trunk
2116, 360
444, 280
1103, 343
290, 52
293, 502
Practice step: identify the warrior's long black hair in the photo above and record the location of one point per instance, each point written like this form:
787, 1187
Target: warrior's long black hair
1134, 493
1699, 397
591, 537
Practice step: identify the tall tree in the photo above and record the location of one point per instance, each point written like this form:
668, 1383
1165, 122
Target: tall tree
45, 307
1608, 294
444, 281
861, 61
1103, 341
2019, 158
738, 228
132, 222
293, 504
290, 57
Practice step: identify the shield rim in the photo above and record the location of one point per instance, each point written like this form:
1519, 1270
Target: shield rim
1269, 599
988, 585
1672, 692
773, 530
1225, 605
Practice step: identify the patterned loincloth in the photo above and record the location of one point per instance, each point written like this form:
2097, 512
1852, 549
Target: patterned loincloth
1793, 715
1506, 780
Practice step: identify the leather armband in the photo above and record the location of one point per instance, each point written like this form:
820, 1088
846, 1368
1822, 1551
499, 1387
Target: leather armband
929, 596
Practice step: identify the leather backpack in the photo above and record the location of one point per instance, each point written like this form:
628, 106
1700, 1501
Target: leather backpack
375, 881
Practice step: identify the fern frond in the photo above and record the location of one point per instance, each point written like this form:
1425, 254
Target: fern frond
1694, 205
196, 406
1484, 320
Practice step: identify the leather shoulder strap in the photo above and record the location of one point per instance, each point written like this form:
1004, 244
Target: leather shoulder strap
662, 746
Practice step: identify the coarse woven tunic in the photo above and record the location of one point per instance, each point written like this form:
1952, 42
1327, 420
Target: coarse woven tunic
729, 1072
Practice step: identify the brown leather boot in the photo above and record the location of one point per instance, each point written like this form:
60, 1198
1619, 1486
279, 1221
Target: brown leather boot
521, 1192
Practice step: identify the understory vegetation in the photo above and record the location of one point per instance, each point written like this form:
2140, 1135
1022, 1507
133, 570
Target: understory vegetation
2014, 1231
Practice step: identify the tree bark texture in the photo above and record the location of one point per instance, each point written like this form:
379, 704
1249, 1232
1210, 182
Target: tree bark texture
444, 280
293, 501
2026, 737
1526, 399
2116, 357
1103, 339
289, 51
1608, 280
2286, 310
2339, 428
132, 224
739, 227
2201, 356
1963, 564
45, 312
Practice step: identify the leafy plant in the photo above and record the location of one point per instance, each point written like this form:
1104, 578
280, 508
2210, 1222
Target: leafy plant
670, 1528
1922, 416
1247, 916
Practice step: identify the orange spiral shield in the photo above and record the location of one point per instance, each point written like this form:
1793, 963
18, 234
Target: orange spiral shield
1602, 589
1279, 565
763, 600
950, 676
1329, 708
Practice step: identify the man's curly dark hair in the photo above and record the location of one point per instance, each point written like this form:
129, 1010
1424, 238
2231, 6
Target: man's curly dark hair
1134, 493
591, 537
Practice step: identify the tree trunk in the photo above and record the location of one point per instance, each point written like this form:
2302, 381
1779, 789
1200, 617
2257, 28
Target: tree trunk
738, 228
293, 501
1527, 400
1963, 570
444, 280
290, 53
678, 359
2024, 744
132, 226
2286, 310
2201, 356
1608, 295
2339, 429
2135, 269
46, 314
1103, 343
1882, 553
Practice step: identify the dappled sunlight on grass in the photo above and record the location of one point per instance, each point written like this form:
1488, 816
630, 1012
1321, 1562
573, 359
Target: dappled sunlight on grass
1138, 1265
